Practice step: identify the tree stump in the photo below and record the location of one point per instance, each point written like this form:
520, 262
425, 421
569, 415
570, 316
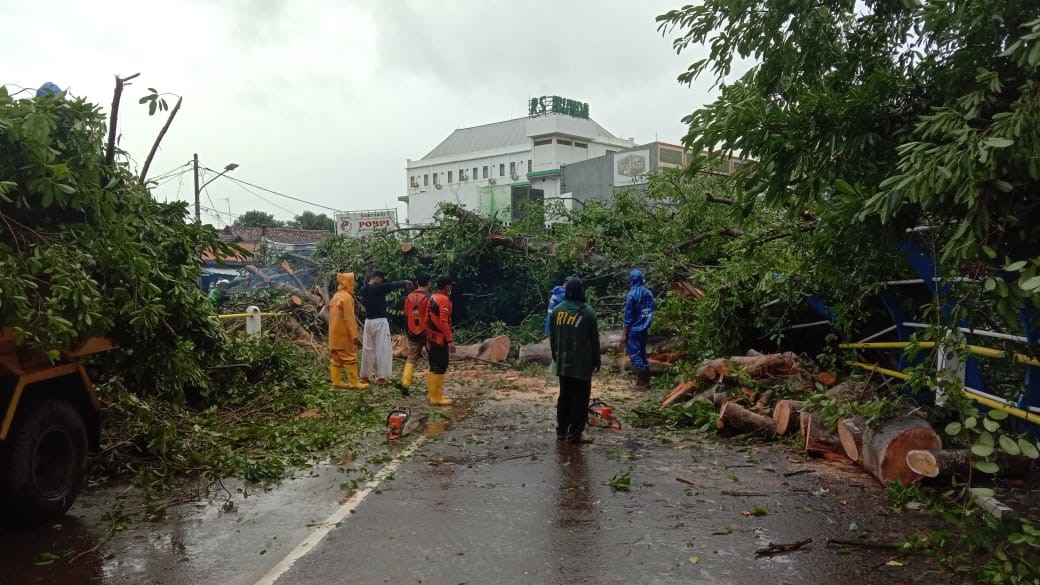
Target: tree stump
884, 450
786, 414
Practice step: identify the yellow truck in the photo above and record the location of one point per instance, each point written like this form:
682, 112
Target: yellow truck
49, 426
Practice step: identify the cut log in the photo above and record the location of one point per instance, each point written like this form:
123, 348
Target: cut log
786, 414
853, 391
734, 417
885, 450
826, 378
773, 365
948, 463
850, 432
291, 304
407, 247
819, 440
714, 369
495, 349
679, 394
400, 344
763, 401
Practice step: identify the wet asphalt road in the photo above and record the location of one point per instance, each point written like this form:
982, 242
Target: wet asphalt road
492, 497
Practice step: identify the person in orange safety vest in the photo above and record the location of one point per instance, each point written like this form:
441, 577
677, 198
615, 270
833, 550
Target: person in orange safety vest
442, 344
416, 314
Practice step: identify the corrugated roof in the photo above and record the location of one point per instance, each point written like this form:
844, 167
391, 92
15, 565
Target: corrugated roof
238, 234
495, 136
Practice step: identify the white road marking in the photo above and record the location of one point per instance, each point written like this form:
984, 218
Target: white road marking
322, 530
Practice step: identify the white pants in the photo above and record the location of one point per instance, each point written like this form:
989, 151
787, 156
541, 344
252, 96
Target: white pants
376, 350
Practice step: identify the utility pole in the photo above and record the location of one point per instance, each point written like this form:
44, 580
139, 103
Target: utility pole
198, 207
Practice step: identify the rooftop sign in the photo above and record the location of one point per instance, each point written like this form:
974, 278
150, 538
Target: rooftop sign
554, 104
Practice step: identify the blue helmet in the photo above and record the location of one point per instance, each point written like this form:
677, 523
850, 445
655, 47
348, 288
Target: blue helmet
48, 90
636, 276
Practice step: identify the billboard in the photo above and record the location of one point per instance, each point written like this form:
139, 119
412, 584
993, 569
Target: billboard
362, 223
631, 168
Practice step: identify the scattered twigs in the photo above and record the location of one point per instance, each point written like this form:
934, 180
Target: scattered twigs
779, 548
838, 542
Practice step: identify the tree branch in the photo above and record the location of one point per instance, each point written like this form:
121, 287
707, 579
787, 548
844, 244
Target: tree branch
158, 139
113, 120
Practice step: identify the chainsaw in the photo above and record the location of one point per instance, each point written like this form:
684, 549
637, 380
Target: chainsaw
602, 415
395, 423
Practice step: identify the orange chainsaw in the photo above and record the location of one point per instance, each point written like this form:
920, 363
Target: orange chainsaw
602, 415
396, 421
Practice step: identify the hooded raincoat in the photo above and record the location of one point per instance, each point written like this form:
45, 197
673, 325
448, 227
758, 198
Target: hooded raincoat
343, 328
555, 299
639, 313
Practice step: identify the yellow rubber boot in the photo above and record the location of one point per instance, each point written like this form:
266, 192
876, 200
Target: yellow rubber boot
435, 391
337, 376
406, 377
352, 377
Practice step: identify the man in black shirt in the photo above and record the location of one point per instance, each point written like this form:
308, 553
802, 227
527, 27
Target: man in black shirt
376, 350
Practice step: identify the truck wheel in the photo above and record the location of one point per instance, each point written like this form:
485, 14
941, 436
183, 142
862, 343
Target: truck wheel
43, 461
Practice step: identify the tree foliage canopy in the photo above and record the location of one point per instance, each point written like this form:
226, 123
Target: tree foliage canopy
888, 113
257, 218
85, 250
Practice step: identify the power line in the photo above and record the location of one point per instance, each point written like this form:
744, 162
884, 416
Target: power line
265, 189
262, 198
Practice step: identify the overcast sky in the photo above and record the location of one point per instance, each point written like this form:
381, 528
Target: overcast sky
325, 101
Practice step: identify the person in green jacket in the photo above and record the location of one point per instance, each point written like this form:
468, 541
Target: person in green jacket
218, 294
574, 340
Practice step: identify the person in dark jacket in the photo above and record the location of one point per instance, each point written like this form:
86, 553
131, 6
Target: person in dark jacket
639, 313
376, 351
574, 340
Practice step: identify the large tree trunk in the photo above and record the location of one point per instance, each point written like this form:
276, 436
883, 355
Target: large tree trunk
624, 364
495, 349
850, 432
540, 353
786, 414
948, 463
885, 450
734, 417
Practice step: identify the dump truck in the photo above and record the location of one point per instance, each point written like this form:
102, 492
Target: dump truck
49, 426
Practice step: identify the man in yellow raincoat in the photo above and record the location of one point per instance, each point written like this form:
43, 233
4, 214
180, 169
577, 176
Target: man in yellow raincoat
343, 334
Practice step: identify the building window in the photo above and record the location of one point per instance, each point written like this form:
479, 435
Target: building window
543, 142
563, 142
485, 172
501, 169
580, 145
670, 157
529, 165
426, 180
449, 176
512, 169
462, 175
414, 181
474, 173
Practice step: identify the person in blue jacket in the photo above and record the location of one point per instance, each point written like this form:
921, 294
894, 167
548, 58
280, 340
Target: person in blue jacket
639, 312
555, 299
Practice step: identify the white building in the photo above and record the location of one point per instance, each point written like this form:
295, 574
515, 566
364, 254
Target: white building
488, 169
